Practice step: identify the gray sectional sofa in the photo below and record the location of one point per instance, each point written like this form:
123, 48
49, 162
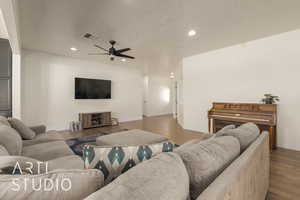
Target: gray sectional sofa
44, 146
231, 165
246, 178
42, 159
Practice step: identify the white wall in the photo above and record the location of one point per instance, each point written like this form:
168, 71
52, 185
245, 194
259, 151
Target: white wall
16, 86
9, 29
48, 89
243, 73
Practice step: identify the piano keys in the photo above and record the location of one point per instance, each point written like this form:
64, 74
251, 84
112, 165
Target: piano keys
263, 115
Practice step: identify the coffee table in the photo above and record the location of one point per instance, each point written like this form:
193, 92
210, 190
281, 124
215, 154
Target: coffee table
130, 138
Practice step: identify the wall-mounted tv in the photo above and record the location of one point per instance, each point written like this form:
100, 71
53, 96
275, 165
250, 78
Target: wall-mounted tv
92, 88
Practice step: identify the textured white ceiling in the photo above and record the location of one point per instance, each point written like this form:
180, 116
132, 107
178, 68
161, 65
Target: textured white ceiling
152, 27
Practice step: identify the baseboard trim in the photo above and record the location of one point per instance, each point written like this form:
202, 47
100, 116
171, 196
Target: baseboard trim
131, 120
194, 131
159, 115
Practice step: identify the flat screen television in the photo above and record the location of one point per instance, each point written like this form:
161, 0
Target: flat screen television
92, 89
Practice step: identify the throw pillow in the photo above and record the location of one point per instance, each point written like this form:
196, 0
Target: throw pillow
3, 151
4, 121
164, 177
25, 132
11, 140
246, 134
206, 160
113, 161
224, 129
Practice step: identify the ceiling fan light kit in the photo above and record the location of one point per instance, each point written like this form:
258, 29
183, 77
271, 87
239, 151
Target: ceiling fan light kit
112, 52
73, 49
192, 33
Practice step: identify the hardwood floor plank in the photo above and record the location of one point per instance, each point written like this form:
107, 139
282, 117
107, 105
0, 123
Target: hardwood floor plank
285, 175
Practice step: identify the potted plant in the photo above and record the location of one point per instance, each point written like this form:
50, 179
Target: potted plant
270, 99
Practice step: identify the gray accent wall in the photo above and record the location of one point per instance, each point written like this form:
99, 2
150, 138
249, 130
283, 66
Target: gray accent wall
5, 78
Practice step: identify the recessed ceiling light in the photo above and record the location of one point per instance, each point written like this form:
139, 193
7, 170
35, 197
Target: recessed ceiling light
172, 75
123, 60
74, 49
192, 32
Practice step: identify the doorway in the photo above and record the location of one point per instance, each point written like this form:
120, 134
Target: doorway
145, 95
175, 100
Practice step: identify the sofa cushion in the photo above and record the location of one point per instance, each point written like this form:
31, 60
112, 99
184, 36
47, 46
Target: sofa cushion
77, 184
224, 129
206, 160
4, 121
162, 177
113, 161
21, 164
194, 141
38, 129
66, 162
11, 140
25, 132
44, 137
3, 151
130, 138
47, 151
246, 134
188, 144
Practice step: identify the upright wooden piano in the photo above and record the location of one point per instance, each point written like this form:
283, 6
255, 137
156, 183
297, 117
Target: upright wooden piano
263, 115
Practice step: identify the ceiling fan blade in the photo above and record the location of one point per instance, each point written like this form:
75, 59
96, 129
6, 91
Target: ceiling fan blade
125, 56
98, 54
123, 50
100, 47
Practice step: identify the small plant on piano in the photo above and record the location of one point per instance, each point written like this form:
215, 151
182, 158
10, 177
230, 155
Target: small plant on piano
270, 99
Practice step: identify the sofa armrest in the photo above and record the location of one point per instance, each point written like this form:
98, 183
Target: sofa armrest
246, 178
71, 162
70, 184
38, 129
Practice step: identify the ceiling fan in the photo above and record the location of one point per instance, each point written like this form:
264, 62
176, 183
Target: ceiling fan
112, 52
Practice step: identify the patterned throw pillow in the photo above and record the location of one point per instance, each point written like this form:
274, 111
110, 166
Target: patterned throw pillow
113, 161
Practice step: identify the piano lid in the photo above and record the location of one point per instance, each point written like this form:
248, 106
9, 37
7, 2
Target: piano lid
245, 107
244, 112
